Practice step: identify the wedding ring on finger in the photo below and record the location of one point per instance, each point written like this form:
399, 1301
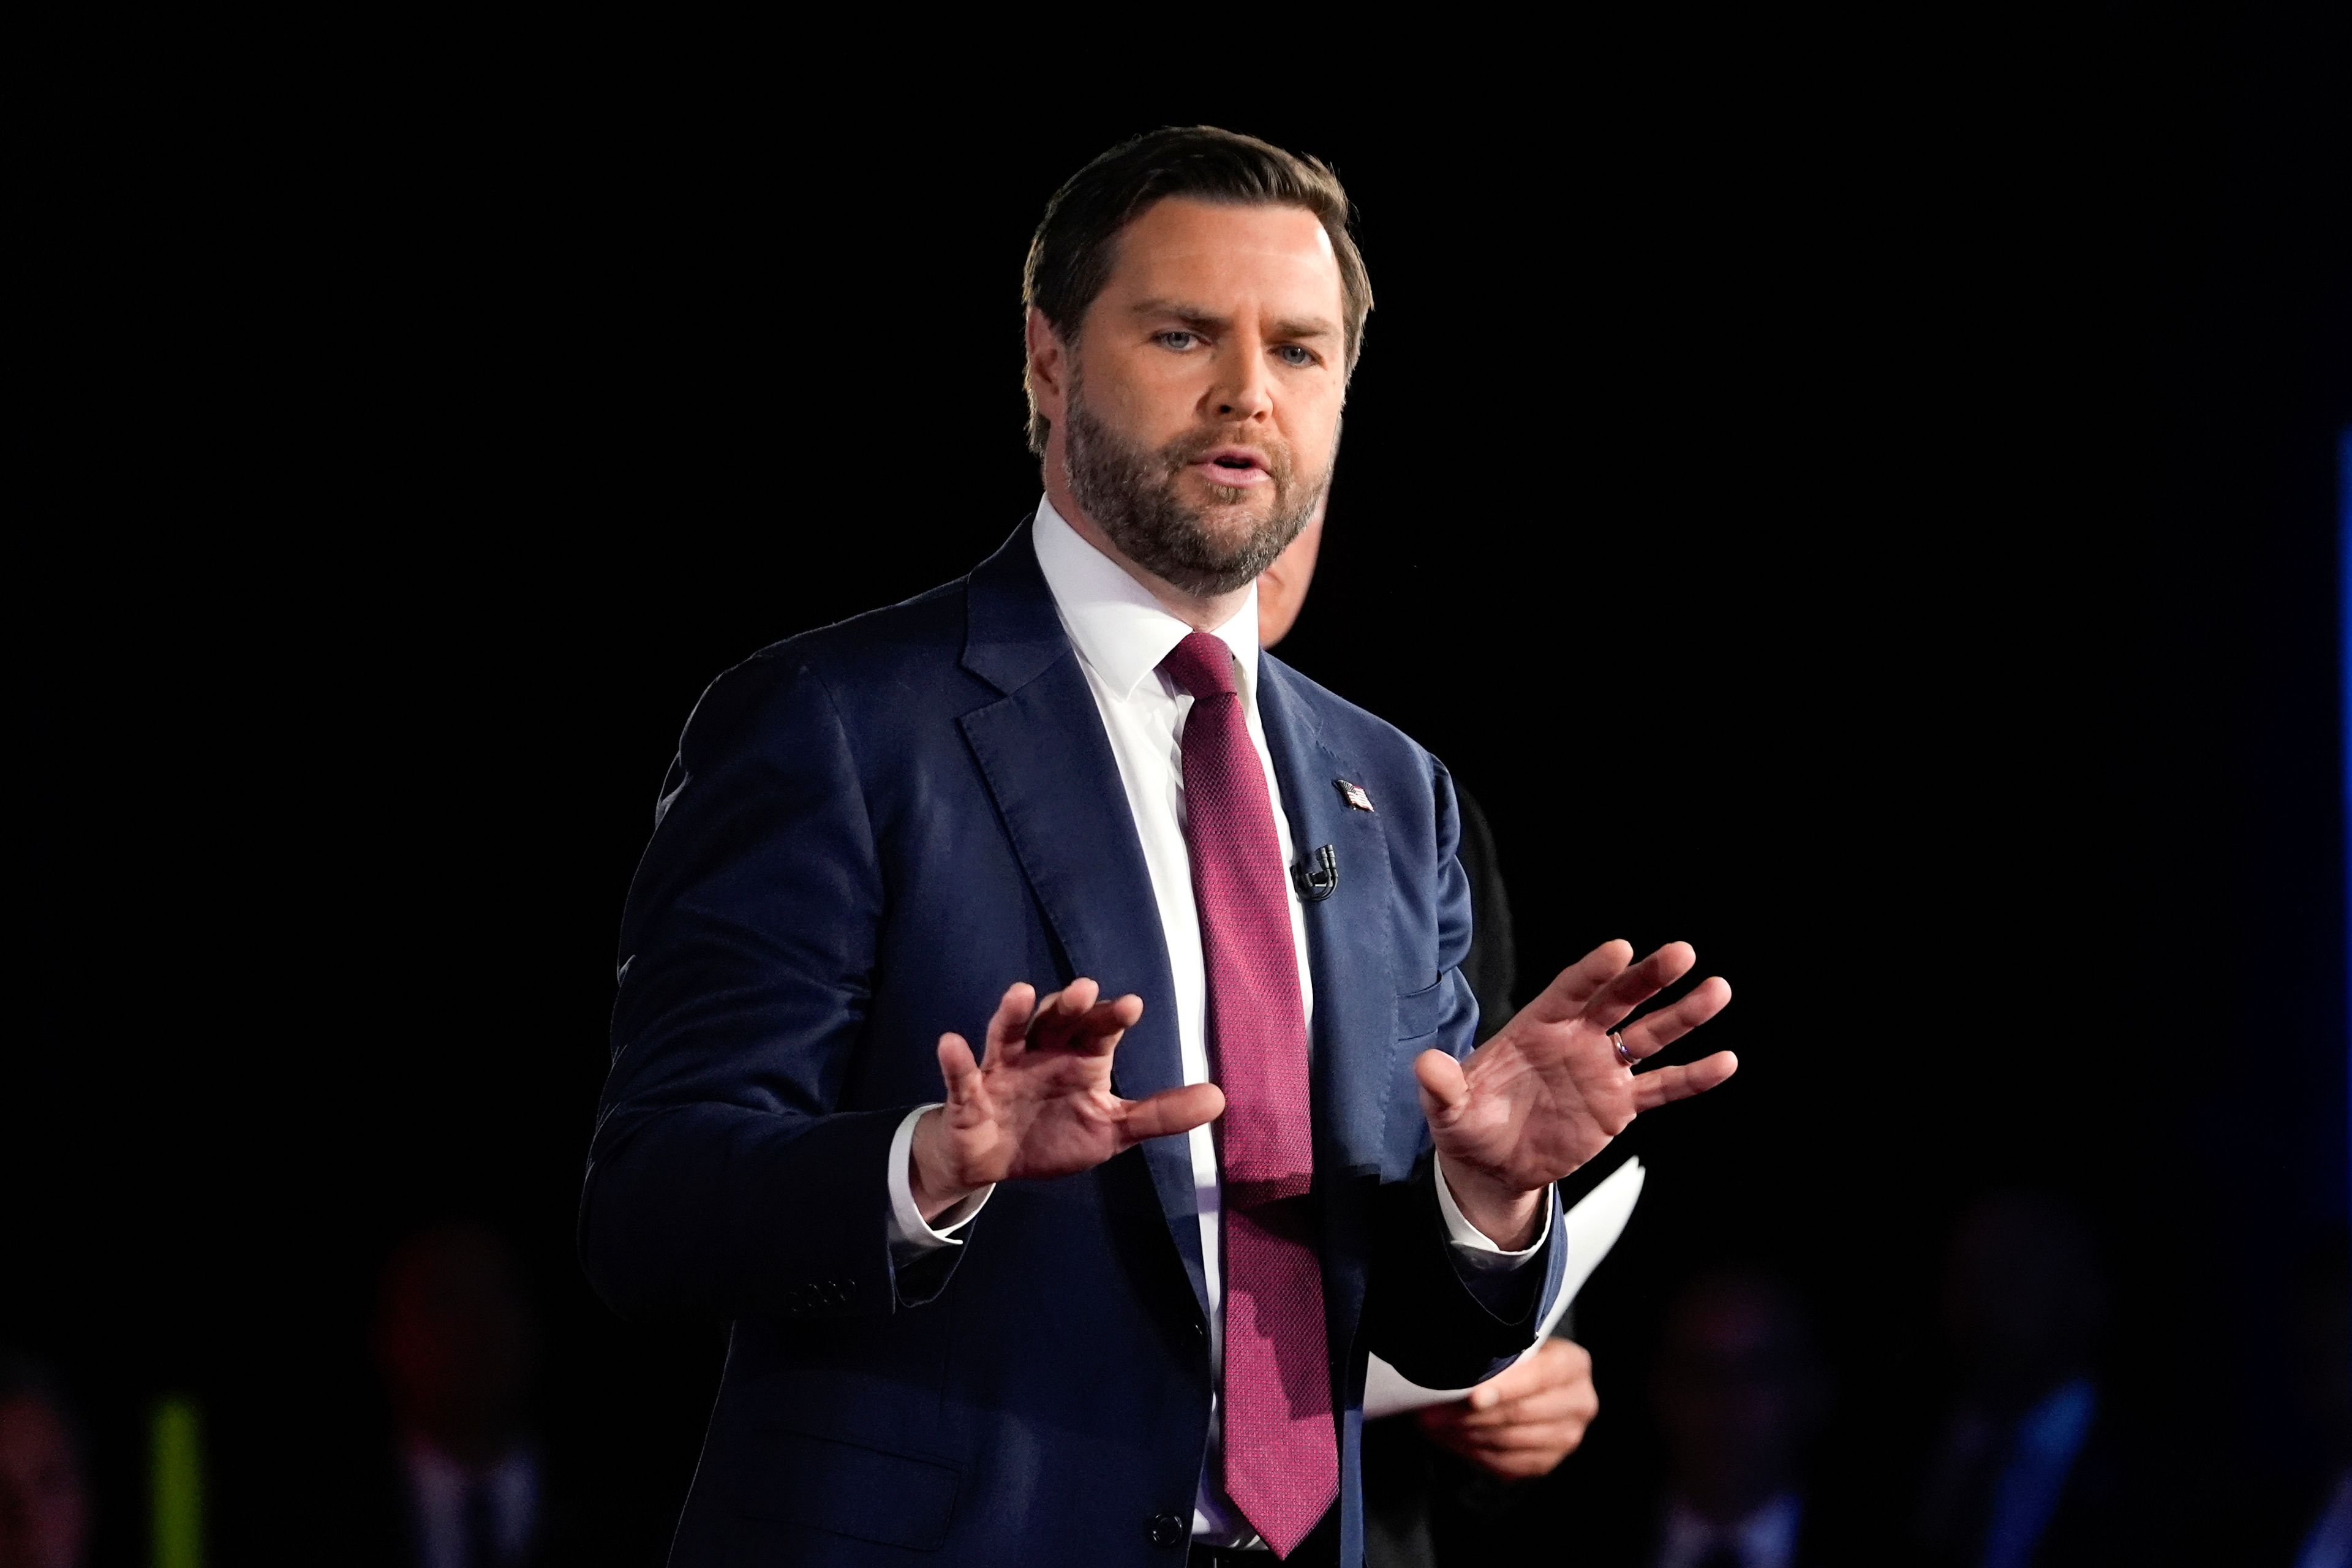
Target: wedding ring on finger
1624, 1055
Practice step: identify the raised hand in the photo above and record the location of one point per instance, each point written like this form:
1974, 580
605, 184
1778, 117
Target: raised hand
1040, 1104
1549, 1092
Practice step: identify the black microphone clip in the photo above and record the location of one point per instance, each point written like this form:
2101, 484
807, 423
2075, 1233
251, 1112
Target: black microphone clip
1319, 876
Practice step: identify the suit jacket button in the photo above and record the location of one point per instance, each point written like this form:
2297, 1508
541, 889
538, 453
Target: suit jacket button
1166, 1529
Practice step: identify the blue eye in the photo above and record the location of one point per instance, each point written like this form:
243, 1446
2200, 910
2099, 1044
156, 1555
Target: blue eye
1179, 339
1294, 356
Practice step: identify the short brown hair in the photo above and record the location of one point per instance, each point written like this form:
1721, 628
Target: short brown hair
1070, 257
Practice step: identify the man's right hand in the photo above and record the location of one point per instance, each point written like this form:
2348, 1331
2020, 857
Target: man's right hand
1041, 1104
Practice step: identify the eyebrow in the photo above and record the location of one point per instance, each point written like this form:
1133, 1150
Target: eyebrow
1199, 317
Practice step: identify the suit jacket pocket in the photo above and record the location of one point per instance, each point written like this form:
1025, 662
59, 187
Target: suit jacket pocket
1419, 1012
867, 1494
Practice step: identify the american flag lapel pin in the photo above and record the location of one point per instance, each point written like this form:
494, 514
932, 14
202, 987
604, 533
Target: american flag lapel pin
1353, 794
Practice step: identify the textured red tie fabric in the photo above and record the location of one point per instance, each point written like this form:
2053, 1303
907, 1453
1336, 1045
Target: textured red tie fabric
1281, 1455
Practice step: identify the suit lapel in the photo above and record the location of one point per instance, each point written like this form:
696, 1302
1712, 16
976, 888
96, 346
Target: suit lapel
1347, 946
1048, 763
1348, 933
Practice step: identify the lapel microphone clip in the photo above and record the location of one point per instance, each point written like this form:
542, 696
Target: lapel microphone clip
1319, 877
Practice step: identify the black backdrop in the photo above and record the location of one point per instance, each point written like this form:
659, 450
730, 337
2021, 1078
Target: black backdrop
1876, 526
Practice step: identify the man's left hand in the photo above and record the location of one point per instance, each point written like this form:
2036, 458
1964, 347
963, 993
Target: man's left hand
1524, 1422
1551, 1091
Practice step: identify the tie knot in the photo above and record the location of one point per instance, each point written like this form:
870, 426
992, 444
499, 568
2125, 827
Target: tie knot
1202, 664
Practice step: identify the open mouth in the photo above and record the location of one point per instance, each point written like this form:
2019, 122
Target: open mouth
1232, 466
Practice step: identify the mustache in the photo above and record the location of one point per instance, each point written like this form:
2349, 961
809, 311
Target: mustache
1185, 450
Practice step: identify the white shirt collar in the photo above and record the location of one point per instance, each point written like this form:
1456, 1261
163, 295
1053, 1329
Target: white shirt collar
1120, 630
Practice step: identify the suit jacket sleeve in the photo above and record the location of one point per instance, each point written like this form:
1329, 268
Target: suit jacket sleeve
722, 1180
1426, 1314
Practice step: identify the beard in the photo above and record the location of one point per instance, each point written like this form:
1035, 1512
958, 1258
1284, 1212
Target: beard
1132, 495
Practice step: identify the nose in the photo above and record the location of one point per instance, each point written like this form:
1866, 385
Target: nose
1241, 391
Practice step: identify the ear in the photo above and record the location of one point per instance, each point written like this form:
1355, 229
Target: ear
1049, 366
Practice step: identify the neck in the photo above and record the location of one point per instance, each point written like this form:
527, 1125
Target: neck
1202, 612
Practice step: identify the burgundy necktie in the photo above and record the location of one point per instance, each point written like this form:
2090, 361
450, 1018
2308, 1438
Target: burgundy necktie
1281, 1456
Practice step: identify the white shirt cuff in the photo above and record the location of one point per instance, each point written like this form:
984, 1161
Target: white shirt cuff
911, 1234
1476, 1249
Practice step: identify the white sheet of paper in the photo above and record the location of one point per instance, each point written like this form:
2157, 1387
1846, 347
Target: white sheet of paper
1592, 1227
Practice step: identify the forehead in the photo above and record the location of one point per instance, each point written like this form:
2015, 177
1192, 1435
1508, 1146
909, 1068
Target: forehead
1220, 255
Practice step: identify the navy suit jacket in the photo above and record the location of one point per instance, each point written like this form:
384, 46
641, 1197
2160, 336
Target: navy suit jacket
870, 832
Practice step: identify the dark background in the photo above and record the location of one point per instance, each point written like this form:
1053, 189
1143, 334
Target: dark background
1876, 524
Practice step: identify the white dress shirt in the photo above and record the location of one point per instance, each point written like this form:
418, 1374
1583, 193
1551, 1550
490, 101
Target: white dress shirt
1121, 634
1765, 1539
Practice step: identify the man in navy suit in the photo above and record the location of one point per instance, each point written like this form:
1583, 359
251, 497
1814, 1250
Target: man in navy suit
1100, 1290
